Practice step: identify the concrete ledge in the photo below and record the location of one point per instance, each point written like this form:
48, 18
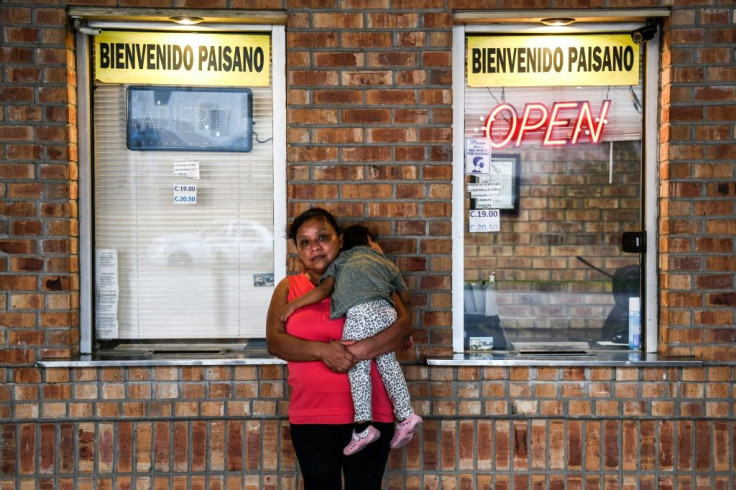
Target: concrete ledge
587, 359
592, 359
187, 359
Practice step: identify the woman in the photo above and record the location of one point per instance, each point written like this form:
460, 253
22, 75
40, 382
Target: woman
321, 408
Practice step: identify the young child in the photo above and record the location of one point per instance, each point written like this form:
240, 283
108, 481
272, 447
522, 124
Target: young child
362, 282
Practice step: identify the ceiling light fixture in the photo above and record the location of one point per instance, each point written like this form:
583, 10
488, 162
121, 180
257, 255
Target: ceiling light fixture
187, 21
557, 21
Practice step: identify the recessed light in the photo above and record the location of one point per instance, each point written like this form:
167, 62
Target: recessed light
557, 21
187, 21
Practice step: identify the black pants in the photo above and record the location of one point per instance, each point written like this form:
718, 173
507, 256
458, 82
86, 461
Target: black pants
319, 452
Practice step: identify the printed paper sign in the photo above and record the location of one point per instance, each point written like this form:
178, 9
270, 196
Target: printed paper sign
185, 194
106, 292
186, 168
477, 156
484, 190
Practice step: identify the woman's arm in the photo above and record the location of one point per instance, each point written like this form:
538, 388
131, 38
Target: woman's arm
290, 348
389, 339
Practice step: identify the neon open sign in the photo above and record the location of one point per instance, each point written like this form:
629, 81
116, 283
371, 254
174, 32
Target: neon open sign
505, 127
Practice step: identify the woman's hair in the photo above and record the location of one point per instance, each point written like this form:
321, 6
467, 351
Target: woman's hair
311, 213
356, 235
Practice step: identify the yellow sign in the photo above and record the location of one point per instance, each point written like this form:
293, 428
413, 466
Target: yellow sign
552, 60
158, 58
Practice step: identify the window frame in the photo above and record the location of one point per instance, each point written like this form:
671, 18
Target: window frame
252, 23
483, 23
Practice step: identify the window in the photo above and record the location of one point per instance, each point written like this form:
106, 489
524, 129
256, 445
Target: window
182, 189
551, 167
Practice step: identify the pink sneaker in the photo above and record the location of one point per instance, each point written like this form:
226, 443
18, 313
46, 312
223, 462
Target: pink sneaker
361, 440
405, 430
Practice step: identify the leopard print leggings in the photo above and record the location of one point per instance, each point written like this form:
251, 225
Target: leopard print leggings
362, 321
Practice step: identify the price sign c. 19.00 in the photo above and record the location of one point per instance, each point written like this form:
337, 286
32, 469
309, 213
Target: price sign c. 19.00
483, 220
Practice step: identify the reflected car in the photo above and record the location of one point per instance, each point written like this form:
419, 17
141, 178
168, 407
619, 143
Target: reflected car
221, 241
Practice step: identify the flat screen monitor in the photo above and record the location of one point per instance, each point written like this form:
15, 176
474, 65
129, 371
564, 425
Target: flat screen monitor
189, 119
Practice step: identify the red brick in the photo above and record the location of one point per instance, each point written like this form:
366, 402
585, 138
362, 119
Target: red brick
391, 135
16, 171
338, 135
332, 19
392, 58
611, 445
235, 446
17, 320
684, 443
18, 208
337, 96
105, 448
393, 20
21, 228
361, 39
319, 78
162, 438
216, 446
8, 448
390, 97
366, 116
539, 445
17, 246
712, 55
199, 446
86, 445
181, 446
306, 116
366, 154
311, 39
411, 77
520, 445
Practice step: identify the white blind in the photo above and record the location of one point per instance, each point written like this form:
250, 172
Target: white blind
185, 271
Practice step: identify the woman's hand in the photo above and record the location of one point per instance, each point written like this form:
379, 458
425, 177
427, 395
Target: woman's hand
337, 357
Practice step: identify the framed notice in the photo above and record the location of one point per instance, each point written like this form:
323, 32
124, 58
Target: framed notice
500, 188
189, 119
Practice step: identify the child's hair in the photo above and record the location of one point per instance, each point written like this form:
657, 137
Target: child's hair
356, 235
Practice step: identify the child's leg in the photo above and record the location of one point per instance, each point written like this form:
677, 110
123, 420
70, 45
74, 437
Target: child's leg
360, 374
360, 386
360, 390
395, 383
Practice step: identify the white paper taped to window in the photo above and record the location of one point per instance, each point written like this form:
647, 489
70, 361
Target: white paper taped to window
107, 292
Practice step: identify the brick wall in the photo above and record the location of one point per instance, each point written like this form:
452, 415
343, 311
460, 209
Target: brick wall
485, 427
369, 128
697, 188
